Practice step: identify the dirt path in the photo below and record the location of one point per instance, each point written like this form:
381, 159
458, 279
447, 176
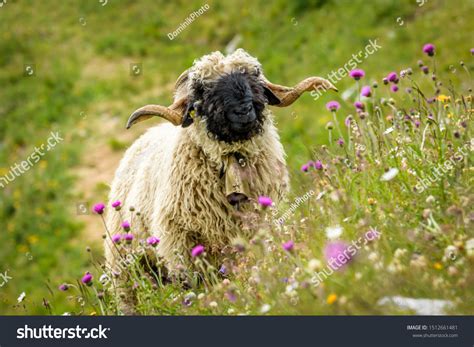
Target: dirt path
97, 169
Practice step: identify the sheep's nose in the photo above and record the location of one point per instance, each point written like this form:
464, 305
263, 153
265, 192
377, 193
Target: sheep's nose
249, 117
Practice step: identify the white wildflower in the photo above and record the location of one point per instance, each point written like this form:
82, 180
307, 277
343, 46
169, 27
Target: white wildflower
334, 232
265, 308
314, 265
389, 175
21, 297
388, 131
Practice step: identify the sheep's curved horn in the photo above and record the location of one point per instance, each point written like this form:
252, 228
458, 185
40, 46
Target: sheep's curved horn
172, 113
288, 95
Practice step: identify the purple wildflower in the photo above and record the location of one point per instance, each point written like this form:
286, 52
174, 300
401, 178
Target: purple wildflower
472, 51
394, 88
340, 142
365, 91
425, 69
197, 251
116, 238
288, 246
153, 241
116, 204
126, 225
318, 165
305, 167
392, 77
357, 74
333, 106
417, 123
99, 208
385, 80
63, 287
87, 279
223, 269
128, 238
230, 294
265, 201
359, 105
429, 49
337, 253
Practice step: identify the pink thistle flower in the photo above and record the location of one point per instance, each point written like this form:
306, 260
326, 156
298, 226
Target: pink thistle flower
153, 241
394, 88
429, 49
63, 287
392, 77
318, 165
357, 74
333, 106
265, 201
99, 208
126, 225
128, 238
288, 246
425, 69
472, 51
197, 251
366, 91
116, 238
87, 279
359, 105
116, 205
305, 167
417, 123
340, 142
337, 254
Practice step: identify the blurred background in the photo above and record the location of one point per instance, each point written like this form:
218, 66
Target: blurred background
80, 68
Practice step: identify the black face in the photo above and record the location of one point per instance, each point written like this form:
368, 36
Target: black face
233, 106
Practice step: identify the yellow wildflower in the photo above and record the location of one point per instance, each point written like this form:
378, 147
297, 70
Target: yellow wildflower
32, 239
443, 98
332, 298
437, 266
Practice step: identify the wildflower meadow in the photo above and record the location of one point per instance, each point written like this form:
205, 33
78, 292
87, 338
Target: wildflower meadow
379, 219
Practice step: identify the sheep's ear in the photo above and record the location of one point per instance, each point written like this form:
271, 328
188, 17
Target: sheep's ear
188, 117
272, 98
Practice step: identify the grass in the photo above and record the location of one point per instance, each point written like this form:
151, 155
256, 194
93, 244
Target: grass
85, 69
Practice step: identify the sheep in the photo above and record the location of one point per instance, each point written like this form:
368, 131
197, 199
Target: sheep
193, 179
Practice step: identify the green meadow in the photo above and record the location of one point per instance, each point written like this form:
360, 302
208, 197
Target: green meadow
80, 69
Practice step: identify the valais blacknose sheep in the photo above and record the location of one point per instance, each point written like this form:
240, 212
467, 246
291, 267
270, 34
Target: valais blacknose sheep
192, 179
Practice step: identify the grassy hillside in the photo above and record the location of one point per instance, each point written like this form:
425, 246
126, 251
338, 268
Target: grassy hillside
70, 68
